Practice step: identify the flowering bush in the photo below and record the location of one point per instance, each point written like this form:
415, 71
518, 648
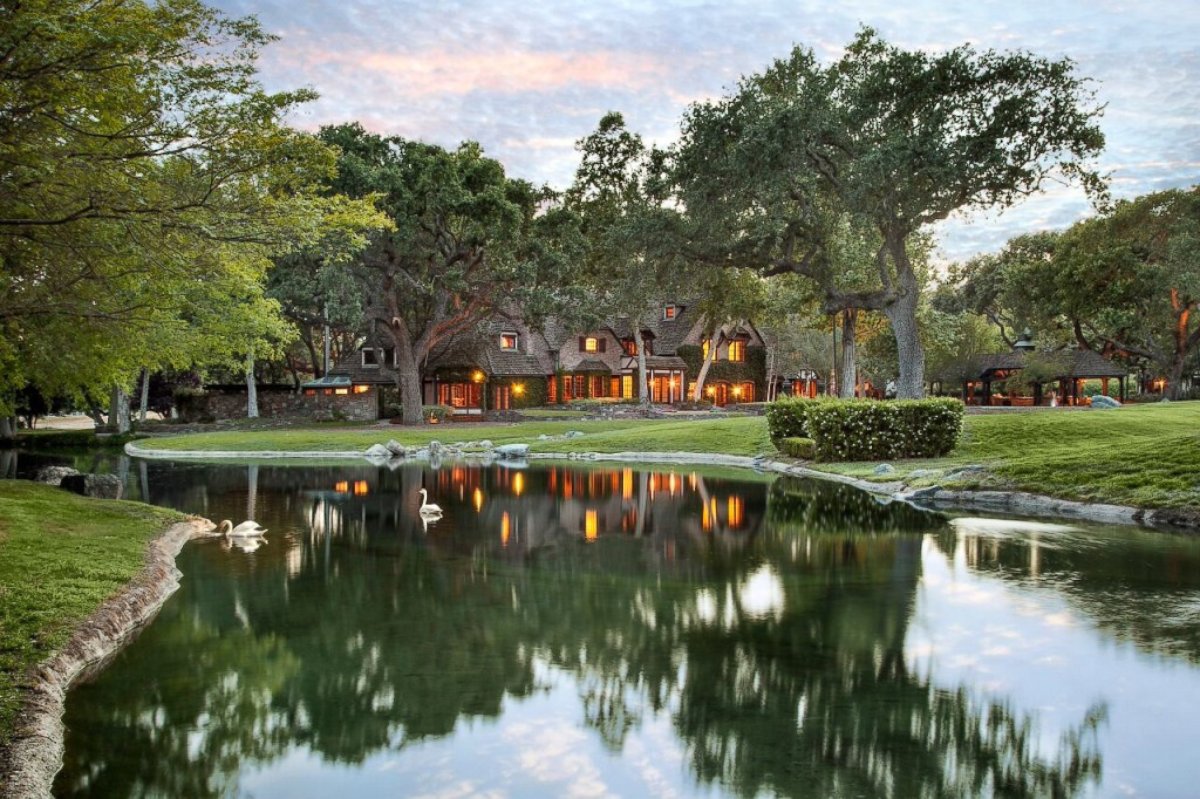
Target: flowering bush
857, 430
787, 417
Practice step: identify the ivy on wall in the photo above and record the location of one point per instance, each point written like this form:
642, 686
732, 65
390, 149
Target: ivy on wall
754, 368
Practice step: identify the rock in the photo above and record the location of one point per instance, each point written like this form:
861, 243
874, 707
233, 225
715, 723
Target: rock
924, 493
513, 450
97, 486
396, 448
485, 444
544, 437
378, 451
53, 475
436, 448
917, 474
572, 434
1104, 403
884, 468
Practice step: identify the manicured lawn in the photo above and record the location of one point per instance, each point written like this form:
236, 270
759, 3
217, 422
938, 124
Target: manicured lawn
736, 435
1144, 455
61, 556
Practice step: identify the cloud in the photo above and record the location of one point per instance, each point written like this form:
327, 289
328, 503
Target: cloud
527, 80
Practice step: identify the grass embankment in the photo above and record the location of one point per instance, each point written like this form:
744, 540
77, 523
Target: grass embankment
1144, 455
61, 556
733, 435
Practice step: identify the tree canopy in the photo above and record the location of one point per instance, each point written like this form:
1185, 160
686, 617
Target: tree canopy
898, 139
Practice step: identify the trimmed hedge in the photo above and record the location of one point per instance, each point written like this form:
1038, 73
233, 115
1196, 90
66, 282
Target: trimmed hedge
802, 448
863, 430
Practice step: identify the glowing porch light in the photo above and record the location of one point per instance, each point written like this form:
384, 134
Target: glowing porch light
518, 389
477, 376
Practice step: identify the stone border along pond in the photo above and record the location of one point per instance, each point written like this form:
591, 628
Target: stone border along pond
1017, 503
34, 755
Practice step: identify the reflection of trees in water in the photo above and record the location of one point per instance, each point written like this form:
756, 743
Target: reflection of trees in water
781, 664
819, 506
1142, 591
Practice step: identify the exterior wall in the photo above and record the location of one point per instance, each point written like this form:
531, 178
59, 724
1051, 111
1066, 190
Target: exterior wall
276, 402
571, 355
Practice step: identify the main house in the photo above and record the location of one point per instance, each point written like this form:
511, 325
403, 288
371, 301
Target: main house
503, 364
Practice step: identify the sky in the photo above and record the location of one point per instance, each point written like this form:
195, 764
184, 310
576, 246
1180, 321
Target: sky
529, 79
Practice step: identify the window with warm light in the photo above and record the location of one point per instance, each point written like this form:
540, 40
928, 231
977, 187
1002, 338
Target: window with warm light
361, 389
668, 312
630, 347
508, 341
704, 345
591, 344
341, 392
737, 350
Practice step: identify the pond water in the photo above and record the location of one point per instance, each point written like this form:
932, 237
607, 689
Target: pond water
646, 631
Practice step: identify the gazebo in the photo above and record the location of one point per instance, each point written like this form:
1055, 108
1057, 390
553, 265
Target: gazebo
1069, 368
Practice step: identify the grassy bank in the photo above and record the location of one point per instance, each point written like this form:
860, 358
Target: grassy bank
735, 435
1144, 455
61, 556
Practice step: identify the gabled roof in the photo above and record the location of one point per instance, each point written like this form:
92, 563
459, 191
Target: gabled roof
1068, 364
510, 363
592, 365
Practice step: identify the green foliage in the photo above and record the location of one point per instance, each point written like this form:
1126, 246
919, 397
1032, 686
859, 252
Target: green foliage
753, 369
855, 430
61, 556
802, 448
787, 417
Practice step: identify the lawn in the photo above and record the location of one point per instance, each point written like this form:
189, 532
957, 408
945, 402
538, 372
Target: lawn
733, 435
61, 556
1142, 455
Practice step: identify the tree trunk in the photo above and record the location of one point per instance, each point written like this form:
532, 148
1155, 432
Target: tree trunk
1175, 376
145, 401
118, 411
8, 428
903, 315
849, 366
770, 377
643, 386
408, 379
698, 394
251, 389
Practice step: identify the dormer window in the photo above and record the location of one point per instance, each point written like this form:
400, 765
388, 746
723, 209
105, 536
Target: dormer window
591, 344
668, 312
508, 341
630, 347
737, 350
370, 357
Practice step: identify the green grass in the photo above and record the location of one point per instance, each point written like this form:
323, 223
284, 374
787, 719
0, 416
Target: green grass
740, 435
1142, 455
61, 556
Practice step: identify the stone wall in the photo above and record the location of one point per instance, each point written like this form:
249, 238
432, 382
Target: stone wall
223, 402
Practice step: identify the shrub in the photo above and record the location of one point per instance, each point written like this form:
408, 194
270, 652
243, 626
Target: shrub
787, 417
853, 430
439, 412
802, 448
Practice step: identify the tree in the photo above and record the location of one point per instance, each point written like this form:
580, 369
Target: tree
138, 157
465, 242
728, 300
618, 195
1129, 281
897, 138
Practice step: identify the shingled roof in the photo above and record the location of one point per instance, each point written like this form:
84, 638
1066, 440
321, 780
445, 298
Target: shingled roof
1069, 364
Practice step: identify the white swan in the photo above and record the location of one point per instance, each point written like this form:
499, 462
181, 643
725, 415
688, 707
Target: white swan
428, 508
243, 530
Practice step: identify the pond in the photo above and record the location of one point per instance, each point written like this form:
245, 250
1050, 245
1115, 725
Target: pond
640, 631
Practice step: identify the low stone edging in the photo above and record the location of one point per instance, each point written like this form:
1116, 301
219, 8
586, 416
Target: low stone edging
34, 755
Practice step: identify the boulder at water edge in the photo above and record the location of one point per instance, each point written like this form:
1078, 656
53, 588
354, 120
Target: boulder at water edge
513, 450
53, 475
97, 486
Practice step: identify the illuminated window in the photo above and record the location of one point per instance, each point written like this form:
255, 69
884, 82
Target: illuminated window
310, 392
591, 344
668, 312
580, 385
704, 349
508, 341
361, 389
627, 386
369, 357
630, 347
737, 350
341, 392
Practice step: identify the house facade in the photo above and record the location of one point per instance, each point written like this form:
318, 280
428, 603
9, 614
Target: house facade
505, 365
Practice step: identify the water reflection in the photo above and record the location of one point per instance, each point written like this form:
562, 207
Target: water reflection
738, 631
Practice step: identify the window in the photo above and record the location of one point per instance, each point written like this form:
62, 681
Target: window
630, 347
591, 344
704, 345
627, 386
737, 350
579, 388
508, 341
599, 385
361, 389
668, 313
369, 357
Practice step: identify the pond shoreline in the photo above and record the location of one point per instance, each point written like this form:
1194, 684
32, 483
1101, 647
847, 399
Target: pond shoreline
30, 761
1019, 503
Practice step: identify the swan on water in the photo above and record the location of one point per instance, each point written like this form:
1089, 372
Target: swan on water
244, 530
428, 508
